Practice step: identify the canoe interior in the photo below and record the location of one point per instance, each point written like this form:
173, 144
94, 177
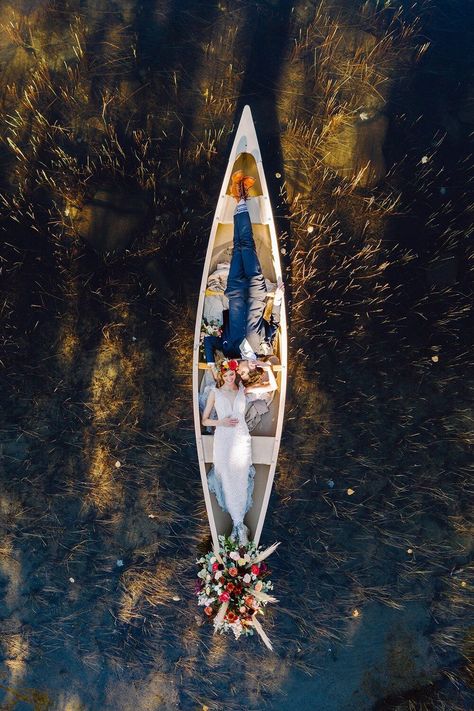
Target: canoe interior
223, 520
263, 436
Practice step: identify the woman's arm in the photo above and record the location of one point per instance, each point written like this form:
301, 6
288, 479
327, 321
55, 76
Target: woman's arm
207, 422
213, 369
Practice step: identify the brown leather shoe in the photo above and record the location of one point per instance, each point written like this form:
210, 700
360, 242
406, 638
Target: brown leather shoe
235, 183
240, 185
248, 182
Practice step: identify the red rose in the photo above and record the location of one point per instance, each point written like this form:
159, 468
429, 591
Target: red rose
255, 569
233, 572
224, 597
230, 587
208, 611
231, 617
233, 365
215, 566
238, 589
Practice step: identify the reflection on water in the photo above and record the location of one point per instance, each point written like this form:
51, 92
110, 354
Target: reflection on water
116, 123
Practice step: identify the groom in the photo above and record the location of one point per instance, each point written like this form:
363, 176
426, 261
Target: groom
246, 333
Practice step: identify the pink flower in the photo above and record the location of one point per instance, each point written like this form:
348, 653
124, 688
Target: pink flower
233, 572
224, 597
215, 566
251, 602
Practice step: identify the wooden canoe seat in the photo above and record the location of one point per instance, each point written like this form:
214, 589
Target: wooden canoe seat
275, 368
213, 292
262, 449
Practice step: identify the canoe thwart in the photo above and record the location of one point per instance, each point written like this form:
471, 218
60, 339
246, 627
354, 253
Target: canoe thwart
275, 368
262, 449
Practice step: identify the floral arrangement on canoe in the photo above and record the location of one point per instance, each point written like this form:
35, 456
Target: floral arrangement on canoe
233, 587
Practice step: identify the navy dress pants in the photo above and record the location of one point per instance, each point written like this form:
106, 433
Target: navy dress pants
246, 292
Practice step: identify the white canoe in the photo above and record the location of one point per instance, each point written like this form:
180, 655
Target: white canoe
245, 154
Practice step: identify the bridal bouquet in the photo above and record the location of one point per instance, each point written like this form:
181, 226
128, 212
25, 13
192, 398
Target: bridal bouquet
233, 587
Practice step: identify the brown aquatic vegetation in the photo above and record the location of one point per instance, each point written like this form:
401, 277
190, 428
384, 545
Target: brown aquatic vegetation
372, 408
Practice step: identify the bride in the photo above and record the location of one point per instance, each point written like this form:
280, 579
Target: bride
231, 478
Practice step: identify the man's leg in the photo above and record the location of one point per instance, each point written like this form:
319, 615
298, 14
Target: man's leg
236, 292
211, 344
257, 290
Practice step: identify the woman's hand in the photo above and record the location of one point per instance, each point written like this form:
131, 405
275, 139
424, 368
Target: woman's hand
229, 422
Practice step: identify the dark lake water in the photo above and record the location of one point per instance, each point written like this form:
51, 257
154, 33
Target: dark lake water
116, 122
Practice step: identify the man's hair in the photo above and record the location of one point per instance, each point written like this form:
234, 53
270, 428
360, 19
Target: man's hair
255, 376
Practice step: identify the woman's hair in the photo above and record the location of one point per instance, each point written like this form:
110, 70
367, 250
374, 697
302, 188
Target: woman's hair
219, 359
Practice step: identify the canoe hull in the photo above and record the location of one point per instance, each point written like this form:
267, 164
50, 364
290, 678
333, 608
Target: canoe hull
245, 155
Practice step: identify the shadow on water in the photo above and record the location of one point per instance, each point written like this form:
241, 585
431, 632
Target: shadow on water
266, 31
104, 378
169, 51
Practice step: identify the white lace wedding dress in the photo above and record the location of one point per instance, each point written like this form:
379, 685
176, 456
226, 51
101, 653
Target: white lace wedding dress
232, 475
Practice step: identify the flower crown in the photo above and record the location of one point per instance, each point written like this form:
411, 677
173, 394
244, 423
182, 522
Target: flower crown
229, 365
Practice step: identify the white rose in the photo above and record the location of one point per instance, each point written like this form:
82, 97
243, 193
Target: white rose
234, 555
246, 578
